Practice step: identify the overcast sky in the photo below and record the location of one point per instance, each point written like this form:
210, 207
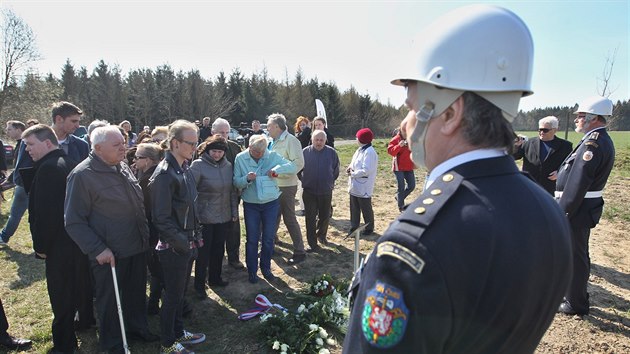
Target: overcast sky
349, 43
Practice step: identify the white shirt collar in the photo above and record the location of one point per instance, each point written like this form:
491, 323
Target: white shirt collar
455, 161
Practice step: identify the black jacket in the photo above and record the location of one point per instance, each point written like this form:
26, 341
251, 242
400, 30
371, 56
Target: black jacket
540, 170
173, 193
477, 264
46, 202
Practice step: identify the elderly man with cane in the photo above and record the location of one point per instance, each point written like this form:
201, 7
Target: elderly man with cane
104, 215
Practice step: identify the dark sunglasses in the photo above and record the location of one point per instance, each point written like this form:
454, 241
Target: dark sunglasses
544, 130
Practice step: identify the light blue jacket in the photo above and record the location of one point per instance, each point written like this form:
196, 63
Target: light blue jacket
263, 189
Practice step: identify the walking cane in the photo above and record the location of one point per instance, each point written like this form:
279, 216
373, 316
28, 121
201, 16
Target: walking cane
120, 313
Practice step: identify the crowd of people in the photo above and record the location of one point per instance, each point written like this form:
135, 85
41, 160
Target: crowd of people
461, 269
158, 203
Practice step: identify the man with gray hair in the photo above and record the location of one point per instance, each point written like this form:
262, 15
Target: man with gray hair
233, 240
289, 147
321, 169
93, 125
102, 189
543, 154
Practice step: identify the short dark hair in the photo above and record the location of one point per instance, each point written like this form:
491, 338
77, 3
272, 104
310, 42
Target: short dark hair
65, 110
42, 132
16, 124
484, 125
32, 122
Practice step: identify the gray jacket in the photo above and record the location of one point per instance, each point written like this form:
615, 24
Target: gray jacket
217, 200
104, 209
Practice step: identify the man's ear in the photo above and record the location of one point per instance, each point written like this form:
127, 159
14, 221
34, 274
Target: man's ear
453, 117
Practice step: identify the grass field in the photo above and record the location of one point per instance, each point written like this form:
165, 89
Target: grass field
23, 285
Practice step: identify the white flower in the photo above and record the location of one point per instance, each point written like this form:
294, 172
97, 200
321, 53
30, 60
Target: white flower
284, 347
330, 341
265, 317
323, 333
319, 342
276, 345
325, 283
323, 351
301, 308
313, 327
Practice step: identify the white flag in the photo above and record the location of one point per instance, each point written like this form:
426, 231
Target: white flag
319, 106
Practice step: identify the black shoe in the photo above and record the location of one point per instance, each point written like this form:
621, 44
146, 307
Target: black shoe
15, 343
297, 258
253, 278
221, 283
146, 337
269, 276
313, 249
566, 308
367, 232
237, 265
323, 241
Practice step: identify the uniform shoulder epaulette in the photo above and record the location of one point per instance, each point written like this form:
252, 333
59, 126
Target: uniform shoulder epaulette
593, 136
424, 209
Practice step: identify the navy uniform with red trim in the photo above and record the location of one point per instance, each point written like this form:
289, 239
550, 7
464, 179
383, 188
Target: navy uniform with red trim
477, 264
581, 180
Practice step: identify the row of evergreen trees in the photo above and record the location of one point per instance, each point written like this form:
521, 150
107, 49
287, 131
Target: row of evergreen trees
161, 95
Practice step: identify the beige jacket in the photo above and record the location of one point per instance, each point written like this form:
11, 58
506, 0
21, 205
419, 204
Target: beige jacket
290, 148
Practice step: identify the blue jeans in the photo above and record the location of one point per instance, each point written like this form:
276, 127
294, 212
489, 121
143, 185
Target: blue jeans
18, 207
256, 215
401, 177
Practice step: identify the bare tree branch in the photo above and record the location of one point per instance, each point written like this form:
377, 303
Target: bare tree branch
609, 64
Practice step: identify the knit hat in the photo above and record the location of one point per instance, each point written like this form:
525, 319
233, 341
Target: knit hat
216, 145
365, 136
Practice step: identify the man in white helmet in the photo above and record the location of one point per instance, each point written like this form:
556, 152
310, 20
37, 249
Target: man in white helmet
581, 180
464, 269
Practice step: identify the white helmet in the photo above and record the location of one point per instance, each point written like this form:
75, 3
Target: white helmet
480, 48
598, 105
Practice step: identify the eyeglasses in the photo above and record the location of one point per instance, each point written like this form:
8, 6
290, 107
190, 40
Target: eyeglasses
192, 144
140, 157
544, 130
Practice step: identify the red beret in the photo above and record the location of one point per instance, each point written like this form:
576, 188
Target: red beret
365, 136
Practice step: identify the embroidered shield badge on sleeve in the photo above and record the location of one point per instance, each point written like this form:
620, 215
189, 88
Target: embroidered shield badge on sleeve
385, 316
588, 155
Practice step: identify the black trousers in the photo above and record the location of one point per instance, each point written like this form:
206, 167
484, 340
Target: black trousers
361, 206
210, 257
316, 206
132, 277
63, 278
577, 294
4, 324
176, 268
233, 241
85, 292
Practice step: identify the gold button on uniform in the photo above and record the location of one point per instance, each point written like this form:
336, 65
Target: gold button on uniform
419, 210
436, 192
447, 177
428, 201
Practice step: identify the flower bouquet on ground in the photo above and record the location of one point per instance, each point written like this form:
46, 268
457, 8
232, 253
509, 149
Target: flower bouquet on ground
323, 308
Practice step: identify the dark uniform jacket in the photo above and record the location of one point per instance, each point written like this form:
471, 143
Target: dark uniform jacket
45, 204
586, 169
173, 194
477, 264
540, 170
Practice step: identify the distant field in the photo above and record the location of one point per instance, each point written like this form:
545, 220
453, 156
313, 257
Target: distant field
621, 139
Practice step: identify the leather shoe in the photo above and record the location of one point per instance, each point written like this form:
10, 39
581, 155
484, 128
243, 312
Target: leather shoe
269, 276
221, 282
15, 343
566, 308
237, 265
297, 258
146, 337
253, 278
